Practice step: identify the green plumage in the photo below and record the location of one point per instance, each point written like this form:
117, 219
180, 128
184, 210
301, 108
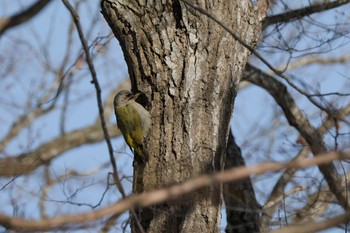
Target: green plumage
133, 120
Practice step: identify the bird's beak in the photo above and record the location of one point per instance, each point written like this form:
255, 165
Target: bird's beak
136, 95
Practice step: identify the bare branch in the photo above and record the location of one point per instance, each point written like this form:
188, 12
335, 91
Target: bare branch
161, 195
22, 122
296, 119
98, 94
28, 162
318, 60
310, 60
269, 208
276, 195
300, 13
23, 16
316, 226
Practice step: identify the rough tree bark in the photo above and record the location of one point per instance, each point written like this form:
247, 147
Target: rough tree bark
188, 67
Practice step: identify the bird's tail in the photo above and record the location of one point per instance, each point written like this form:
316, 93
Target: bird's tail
140, 154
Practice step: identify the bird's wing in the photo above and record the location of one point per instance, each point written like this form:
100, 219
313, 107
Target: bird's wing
136, 129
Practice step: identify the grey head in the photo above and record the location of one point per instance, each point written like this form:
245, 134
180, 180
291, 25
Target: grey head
123, 97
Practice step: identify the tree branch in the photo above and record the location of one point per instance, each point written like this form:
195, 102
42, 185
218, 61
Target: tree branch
22, 17
316, 226
98, 94
300, 13
296, 119
28, 162
22, 122
277, 191
163, 194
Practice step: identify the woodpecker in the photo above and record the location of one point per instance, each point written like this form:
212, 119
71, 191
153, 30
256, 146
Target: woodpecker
133, 120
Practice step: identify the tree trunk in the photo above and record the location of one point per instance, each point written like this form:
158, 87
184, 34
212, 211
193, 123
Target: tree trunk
188, 67
242, 209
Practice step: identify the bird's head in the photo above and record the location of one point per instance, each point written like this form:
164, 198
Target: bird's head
124, 97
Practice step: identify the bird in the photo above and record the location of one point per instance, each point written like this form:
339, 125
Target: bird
133, 120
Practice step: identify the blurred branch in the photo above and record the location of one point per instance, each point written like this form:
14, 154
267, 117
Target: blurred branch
44, 192
277, 191
316, 60
329, 123
98, 94
277, 194
100, 108
316, 226
317, 203
68, 76
22, 17
28, 162
21, 123
301, 62
296, 119
289, 16
163, 194
281, 198
51, 97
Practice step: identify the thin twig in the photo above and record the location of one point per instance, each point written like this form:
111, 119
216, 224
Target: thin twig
98, 94
101, 112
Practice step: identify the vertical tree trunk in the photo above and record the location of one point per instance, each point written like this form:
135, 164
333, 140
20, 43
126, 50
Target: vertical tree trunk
188, 67
242, 209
